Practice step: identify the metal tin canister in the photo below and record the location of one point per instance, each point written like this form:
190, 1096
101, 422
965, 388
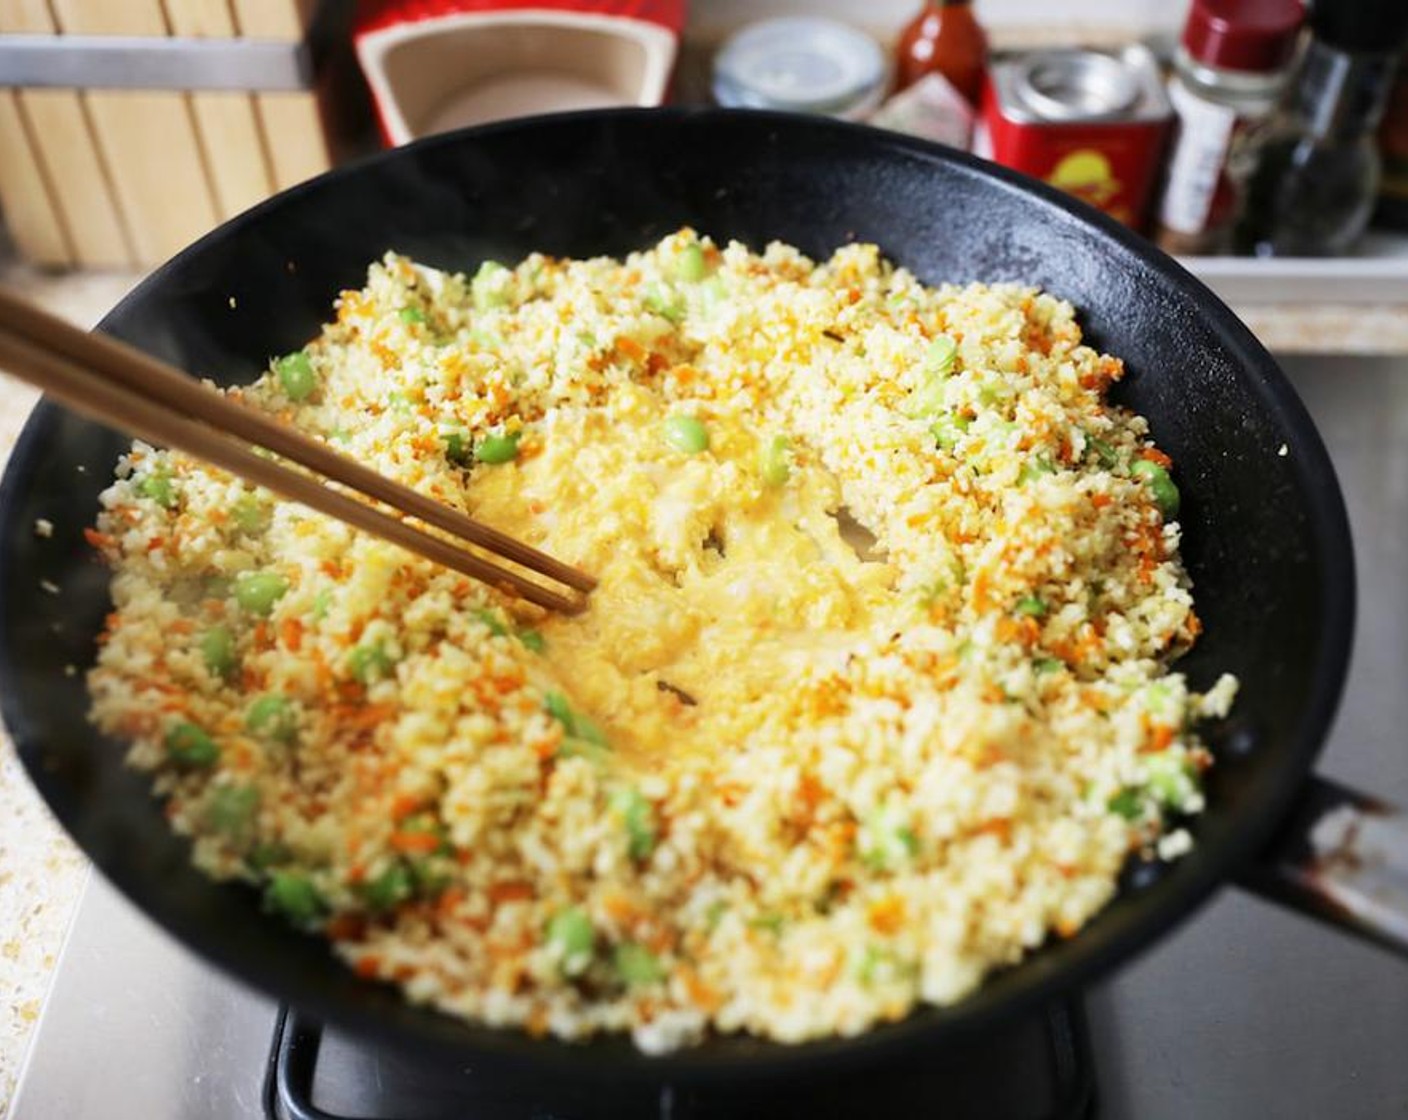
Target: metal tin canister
1092, 123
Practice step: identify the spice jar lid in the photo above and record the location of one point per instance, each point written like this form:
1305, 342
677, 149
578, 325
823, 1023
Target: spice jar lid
802, 63
1252, 35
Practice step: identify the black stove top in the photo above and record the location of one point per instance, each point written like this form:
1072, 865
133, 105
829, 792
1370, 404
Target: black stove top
1040, 1068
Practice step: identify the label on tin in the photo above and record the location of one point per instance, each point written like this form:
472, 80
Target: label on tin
1205, 133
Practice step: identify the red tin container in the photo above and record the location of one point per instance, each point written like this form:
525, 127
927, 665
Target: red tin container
1092, 123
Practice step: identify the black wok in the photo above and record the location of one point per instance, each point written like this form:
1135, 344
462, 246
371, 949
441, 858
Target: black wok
1265, 533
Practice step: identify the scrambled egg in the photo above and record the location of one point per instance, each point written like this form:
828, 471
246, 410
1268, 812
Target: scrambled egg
713, 583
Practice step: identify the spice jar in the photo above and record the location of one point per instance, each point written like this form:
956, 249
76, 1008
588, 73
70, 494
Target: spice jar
1229, 72
944, 38
1314, 190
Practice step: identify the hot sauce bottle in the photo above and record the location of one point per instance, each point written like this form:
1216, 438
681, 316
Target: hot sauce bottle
943, 38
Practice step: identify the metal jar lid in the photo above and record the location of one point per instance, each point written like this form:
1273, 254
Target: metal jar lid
1076, 85
803, 64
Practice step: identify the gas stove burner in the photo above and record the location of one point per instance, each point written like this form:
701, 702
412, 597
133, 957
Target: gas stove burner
1040, 1068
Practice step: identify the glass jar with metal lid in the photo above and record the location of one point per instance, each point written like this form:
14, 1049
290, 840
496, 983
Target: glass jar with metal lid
1228, 74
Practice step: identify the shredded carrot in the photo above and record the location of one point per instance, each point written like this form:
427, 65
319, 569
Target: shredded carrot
291, 633
1160, 736
990, 755
345, 927
321, 672
629, 347
700, 994
508, 890
370, 716
731, 793
982, 595
99, 540
537, 1022
403, 805
415, 843
810, 792
368, 967
1154, 455
886, 915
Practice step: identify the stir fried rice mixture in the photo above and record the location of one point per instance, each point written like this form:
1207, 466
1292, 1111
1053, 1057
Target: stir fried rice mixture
873, 697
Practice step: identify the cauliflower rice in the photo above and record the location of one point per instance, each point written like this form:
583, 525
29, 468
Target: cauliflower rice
873, 697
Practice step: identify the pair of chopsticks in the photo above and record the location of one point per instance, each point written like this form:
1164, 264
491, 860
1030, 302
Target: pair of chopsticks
119, 385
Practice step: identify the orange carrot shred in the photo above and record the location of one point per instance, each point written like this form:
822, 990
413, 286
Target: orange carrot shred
510, 890
415, 843
403, 805
291, 633
887, 914
368, 967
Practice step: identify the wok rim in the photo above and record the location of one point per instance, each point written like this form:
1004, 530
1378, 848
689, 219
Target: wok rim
1085, 959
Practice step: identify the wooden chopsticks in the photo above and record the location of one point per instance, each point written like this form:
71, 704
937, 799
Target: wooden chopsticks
119, 385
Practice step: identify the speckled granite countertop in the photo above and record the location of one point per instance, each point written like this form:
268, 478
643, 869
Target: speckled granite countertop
41, 872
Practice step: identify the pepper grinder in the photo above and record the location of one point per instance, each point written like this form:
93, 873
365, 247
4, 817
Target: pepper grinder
1314, 188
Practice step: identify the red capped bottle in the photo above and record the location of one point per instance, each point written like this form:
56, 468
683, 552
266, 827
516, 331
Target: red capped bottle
1229, 72
944, 38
